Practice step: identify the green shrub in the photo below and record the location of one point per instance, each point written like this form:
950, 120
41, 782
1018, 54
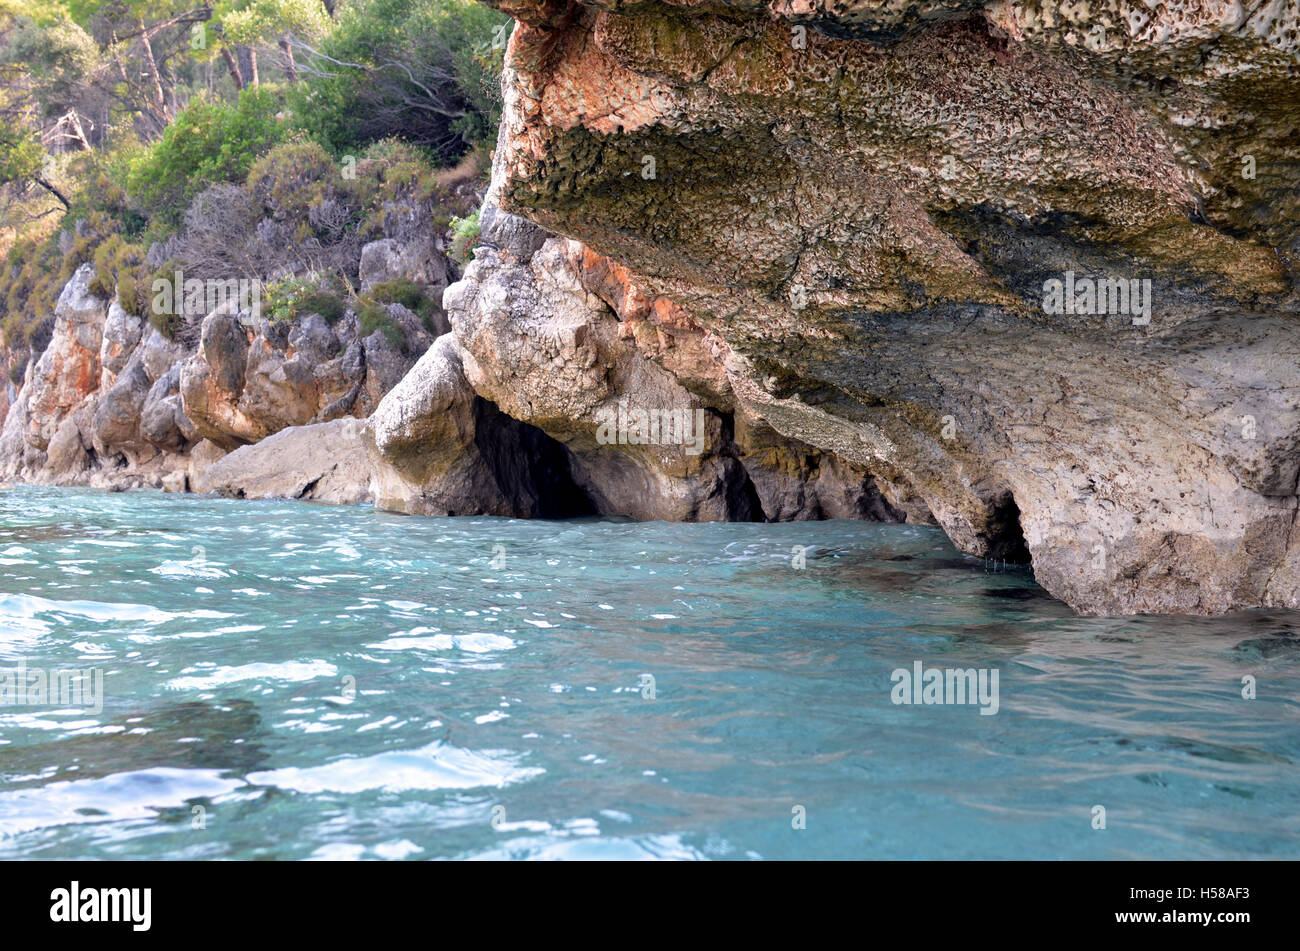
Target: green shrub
410, 295
207, 143
391, 172
102, 176
399, 290
117, 263
167, 324
288, 300
329, 306
372, 316
293, 177
465, 233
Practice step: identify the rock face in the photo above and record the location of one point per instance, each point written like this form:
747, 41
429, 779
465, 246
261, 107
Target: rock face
538, 340
251, 378
856, 225
112, 402
440, 449
64, 376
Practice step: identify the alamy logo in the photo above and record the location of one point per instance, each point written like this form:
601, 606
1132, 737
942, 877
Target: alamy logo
33, 686
198, 298
654, 427
945, 686
103, 904
1103, 296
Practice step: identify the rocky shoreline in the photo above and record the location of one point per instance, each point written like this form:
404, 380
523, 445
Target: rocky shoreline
259, 409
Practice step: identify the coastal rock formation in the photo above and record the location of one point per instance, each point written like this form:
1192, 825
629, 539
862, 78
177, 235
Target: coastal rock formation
848, 217
1024, 270
324, 462
52, 405
113, 402
440, 449
540, 342
251, 377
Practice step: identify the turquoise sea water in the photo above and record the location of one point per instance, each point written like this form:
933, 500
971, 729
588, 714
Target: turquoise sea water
291, 681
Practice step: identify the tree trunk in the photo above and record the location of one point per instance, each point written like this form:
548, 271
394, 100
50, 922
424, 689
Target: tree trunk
77, 128
248, 65
232, 67
151, 69
53, 191
290, 70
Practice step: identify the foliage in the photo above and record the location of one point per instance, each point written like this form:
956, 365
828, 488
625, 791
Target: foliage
57, 57
293, 177
103, 174
21, 155
248, 21
422, 70
120, 269
123, 141
401, 290
167, 322
372, 316
465, 233
36, 271
209, 142
290, 299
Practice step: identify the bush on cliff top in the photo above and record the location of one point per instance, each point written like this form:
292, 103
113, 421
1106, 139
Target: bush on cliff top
209, 142
422, 70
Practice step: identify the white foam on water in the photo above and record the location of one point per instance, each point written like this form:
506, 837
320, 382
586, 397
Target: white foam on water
436, 766
138, 794
288, 671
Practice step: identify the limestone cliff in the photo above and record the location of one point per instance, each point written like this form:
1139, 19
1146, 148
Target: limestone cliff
112, 402
839, 222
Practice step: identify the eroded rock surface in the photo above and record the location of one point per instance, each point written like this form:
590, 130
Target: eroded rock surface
438, 448
843, 216
646, 420
113, 402
251, 377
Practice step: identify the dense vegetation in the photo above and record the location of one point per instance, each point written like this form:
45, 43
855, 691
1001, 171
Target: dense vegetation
236, 138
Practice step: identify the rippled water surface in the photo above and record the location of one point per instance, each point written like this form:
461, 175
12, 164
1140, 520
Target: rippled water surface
284, 680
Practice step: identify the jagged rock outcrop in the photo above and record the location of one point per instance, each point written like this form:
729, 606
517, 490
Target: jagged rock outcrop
113, 402
50, 421
539, 341
252, 377
846, 217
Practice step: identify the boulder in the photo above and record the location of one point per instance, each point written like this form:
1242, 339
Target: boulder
439, 449
324, 462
